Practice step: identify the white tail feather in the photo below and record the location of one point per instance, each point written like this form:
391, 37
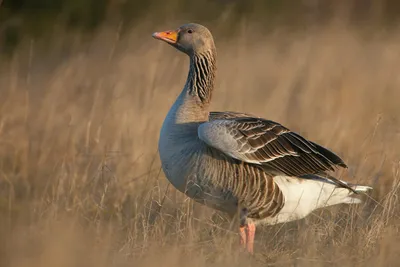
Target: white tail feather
302, 196
351, 200
361, 188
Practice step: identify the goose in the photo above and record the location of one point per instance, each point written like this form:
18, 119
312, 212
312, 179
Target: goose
246, 166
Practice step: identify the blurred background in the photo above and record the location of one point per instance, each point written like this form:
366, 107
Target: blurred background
22, 20
84, 90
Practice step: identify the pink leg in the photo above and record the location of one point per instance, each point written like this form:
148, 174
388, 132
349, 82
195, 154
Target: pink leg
243, 236
247, 234
251, 231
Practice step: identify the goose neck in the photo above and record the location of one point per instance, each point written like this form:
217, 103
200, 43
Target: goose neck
201, 77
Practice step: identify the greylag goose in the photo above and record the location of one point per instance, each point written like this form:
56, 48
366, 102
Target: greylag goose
243, 165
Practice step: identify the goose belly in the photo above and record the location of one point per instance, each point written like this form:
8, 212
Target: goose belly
184, 166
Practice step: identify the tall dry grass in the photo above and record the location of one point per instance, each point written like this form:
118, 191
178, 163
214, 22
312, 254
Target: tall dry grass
80, 179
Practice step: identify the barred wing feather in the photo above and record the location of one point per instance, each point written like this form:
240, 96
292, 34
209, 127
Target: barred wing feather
267, 143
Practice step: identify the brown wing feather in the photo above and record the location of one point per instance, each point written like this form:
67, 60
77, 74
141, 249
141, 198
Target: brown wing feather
275, 147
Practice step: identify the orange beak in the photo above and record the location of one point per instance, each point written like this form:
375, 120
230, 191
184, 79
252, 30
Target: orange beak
167, 36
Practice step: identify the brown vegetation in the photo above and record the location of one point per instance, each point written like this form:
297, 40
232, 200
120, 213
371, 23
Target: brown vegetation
80, 179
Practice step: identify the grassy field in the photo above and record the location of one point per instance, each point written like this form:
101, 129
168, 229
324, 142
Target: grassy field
80, 178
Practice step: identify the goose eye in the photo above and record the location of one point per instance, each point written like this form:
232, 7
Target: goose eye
190, 31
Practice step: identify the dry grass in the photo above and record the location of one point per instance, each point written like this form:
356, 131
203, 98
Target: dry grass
80, 180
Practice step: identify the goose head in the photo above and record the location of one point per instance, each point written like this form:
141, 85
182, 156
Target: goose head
190, 38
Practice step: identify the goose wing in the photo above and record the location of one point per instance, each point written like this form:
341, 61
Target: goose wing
266, 143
